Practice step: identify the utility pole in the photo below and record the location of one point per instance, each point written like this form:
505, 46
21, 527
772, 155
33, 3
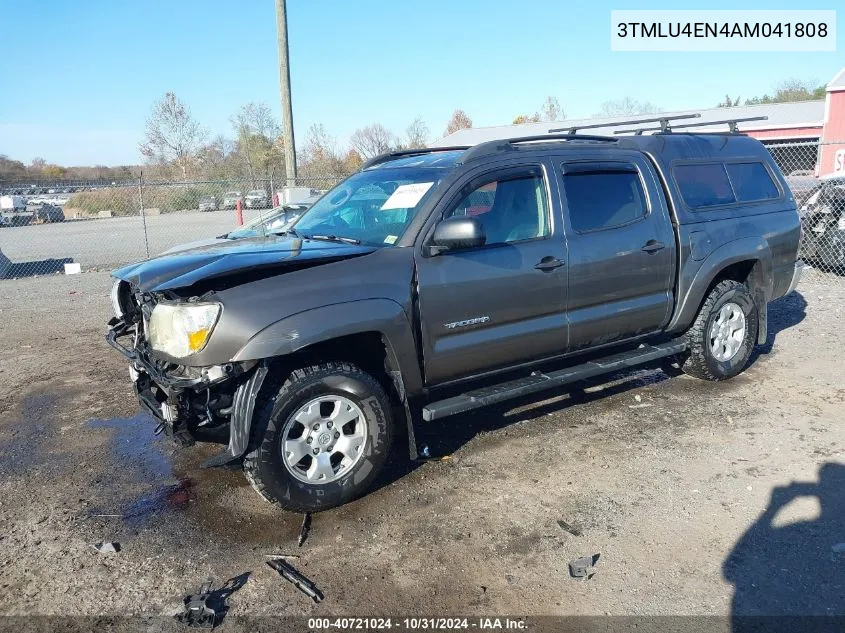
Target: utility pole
284, 89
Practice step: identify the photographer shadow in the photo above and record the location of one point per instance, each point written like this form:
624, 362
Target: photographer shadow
785, 571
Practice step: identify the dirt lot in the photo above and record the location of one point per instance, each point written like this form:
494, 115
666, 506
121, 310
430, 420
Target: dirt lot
683, 488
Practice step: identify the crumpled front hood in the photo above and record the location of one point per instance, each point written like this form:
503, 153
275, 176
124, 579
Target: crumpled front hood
185, 268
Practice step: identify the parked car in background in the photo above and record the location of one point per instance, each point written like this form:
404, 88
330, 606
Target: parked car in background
257, 199
208, 203
48, 213
14, 210
231, 199
803, 184
277, 220
823, 225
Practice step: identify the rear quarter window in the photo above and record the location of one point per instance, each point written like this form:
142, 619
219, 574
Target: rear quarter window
752, 182
704, 185
714, 184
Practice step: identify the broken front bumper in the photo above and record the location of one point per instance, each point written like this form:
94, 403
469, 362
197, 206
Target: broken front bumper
187, 405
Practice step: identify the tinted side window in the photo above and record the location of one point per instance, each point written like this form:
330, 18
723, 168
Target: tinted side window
510, 210
752, 182
603, 199
704, 185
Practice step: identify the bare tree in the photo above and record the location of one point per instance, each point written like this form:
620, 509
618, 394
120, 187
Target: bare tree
460, 121
258, 135
551, 110
172, 135
416, 134
627, 105
372, 140
213, 158
320, 156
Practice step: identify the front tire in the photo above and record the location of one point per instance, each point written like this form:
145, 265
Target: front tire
724, 333
321, 439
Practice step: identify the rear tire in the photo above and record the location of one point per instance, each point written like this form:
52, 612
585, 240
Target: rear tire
724, 333
349, 455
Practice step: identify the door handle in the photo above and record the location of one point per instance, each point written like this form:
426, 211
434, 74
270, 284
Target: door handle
652, 246
549, 263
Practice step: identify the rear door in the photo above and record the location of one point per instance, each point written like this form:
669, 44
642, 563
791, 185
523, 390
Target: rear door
502, 303
621, 247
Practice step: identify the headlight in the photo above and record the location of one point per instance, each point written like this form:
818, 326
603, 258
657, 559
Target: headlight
182, 329
115, 299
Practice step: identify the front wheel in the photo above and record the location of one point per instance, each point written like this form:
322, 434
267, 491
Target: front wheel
321, 439
724, 333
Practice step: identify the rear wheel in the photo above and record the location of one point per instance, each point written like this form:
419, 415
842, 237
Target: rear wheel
321, 439
724, 333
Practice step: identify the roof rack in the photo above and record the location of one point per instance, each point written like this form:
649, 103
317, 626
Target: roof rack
383, 158
506, 144
732, 125
663, 120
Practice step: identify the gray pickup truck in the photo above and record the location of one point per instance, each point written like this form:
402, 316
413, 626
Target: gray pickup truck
437, 281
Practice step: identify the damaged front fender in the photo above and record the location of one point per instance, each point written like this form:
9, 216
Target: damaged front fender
240, 423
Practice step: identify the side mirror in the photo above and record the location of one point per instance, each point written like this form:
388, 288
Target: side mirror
458, 232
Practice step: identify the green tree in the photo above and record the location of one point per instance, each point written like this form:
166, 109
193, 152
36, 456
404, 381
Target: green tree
791, 90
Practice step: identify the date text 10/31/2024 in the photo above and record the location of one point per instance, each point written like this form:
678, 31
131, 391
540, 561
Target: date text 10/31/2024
418, 623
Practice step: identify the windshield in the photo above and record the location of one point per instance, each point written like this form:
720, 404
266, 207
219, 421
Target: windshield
373, 207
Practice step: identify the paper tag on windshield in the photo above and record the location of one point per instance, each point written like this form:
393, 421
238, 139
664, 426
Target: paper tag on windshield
390, 239
406, 196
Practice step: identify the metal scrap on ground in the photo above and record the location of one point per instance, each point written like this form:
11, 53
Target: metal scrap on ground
305, 529
197, 611
292, 575
572, 529
584, 567
106, 548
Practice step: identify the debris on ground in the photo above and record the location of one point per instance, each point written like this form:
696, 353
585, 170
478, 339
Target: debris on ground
644, 405
572, 529
106, 548
638, 398
583, 567
305, 529
207, 608
282, 556
292, 575
511, 579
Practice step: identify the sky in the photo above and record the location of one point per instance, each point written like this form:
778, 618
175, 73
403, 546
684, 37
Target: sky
79, 89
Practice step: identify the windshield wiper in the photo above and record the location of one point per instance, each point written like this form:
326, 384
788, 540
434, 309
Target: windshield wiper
333, 238
291, 231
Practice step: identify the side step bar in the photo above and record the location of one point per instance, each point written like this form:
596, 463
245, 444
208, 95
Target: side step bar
539, 381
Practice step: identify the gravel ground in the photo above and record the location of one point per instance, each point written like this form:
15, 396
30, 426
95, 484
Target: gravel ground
684, 488
111, 242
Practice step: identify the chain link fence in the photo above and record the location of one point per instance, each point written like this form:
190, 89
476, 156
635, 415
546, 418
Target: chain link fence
103, 225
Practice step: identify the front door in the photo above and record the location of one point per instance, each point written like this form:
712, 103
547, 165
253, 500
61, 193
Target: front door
621, 249
502, 303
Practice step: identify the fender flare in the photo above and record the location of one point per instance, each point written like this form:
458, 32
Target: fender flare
298, 331
745, 249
